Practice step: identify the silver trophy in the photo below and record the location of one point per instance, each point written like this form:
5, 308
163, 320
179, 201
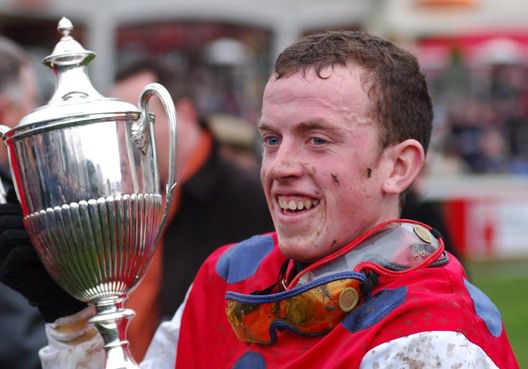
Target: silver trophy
85, 171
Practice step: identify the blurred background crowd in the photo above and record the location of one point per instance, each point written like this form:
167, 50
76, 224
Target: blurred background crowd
474, 54
473, 51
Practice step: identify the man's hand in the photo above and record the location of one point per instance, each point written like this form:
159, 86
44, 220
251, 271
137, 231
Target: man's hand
22, 270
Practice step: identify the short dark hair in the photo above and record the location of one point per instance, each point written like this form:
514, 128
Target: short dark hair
393, 80
12, 59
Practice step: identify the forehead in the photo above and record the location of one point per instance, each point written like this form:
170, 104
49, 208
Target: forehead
338, 87
337, 93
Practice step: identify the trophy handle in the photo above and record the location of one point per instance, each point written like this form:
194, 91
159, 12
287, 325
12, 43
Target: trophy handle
165, 98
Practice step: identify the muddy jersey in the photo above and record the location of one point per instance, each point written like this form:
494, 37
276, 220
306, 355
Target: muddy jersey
432, 314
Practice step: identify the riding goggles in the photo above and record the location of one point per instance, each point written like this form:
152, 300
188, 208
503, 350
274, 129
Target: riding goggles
322, 294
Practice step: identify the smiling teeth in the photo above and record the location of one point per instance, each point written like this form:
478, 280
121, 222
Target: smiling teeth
298, 205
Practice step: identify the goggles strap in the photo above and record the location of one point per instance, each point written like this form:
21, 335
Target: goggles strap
371, 282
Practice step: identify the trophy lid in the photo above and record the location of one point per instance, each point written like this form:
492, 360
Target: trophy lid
75, 99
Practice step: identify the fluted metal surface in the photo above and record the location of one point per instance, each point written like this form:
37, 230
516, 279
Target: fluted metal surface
97, 248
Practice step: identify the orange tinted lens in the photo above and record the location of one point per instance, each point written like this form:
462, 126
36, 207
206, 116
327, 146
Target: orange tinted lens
313, 312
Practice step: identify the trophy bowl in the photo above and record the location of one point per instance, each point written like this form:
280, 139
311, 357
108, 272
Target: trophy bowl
85, 171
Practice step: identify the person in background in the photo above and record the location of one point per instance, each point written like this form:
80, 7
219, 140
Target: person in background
18, 94
217, 200
342, 282
21, 325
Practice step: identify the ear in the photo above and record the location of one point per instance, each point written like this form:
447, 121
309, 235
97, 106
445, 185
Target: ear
407, 159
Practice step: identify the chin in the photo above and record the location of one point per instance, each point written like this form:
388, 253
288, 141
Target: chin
297, 250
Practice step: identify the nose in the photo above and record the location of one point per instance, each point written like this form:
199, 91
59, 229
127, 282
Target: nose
285, 163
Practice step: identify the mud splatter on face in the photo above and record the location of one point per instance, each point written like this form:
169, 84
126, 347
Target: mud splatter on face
369, 172
335, 178
311, 169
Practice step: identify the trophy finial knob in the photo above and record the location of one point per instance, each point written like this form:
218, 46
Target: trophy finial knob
68, 52
65, 27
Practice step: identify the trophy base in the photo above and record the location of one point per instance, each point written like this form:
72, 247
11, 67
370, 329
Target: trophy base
111, 320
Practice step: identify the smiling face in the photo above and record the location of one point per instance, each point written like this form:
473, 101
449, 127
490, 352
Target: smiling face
324, 172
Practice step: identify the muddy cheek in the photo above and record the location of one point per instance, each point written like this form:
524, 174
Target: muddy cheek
335, 178
310, 169
319, 230
313, 233
267, 174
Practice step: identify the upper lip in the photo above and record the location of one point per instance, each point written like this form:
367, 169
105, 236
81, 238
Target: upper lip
293, 195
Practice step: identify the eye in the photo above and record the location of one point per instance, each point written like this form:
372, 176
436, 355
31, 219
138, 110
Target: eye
271, 140
318, 140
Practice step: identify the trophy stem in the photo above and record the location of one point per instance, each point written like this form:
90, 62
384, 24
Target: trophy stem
111, 320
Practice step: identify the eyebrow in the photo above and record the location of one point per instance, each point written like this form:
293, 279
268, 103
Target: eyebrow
263, 125
331, 129
307, 126
303, 127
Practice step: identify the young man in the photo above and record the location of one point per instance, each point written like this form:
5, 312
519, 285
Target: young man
346, 120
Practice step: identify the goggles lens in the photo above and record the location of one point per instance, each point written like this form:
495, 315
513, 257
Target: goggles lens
312, 312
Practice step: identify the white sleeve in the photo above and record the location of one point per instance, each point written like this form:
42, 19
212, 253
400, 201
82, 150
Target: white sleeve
161, 353
428, 350
61, 353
